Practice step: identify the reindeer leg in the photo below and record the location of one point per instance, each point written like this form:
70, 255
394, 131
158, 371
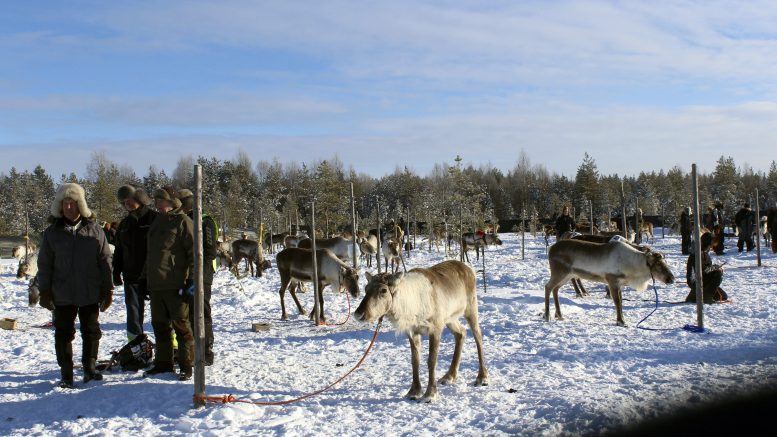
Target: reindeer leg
434, 349
415, 362
458, 334
617, 299
282, 293
293, 292
558, 305
472, 319
322, 317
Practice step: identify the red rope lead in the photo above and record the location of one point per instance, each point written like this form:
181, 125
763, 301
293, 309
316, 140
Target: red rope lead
223, 399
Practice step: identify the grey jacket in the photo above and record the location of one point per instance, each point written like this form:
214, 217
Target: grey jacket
75, 264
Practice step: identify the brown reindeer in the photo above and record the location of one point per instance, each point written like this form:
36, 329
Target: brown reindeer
392, 253
295, 265
616, 264
252, 253
423, 302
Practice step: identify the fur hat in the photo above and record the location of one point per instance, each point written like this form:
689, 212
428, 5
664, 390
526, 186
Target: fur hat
70, 191
168, 193
187, 198
139, 194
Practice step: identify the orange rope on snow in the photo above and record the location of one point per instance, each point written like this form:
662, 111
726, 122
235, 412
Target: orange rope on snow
223, 399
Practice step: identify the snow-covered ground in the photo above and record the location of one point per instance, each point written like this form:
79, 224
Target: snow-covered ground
577, 376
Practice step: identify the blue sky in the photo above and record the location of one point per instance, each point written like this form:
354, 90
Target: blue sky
637, 85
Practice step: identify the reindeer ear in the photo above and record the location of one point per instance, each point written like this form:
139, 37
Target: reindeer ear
368, 276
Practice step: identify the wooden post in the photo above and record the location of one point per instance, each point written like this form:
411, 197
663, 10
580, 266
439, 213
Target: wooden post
461, 234
758, 235
199, 294
353, 230
316, 290
637, 223
296, 220
380, 234
261, 231
26, 232
523, 232
591, 206
407, 232
415, 226
663, 222
697, 246
623, 213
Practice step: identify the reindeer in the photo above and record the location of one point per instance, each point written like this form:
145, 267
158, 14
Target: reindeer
369, 248
293, 240
251, 252
615, 264
392, 253
269, 243
20, 251
340, 246
423, 302
295, 265
28, 267
479, 242
647, 229
224, 254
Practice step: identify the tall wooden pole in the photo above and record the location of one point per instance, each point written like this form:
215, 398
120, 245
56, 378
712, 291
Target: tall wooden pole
697, 247
353, 230
316, 289
623, 213
199, 299
591, 206
758, 227
380, 234
523, 232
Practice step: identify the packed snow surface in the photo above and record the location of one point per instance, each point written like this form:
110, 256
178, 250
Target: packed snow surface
579, 375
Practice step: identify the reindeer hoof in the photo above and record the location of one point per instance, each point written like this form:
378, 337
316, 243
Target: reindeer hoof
429, 398
621, 323
481, 381
447, 379
284, 317
413, 394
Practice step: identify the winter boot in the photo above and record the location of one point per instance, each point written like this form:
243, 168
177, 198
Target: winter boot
67, 378
162, 367
185, 374
90, 372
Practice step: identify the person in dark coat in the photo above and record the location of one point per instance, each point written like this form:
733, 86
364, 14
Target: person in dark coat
711, 278
168, 272
720, 228
771, 225
709, 220
74, 279
685, 230
129, 256
209, 245
564, 223
745, 221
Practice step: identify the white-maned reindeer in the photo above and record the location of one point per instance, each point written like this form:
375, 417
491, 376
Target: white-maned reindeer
615, 264
295, 265
28, 267
479, 242
20, 251
422, 302
340, 246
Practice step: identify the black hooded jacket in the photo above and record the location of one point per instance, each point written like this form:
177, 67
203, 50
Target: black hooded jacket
129, 256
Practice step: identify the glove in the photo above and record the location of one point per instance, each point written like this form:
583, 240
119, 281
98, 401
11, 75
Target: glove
117, 279
187, 293
106, 299
46, 300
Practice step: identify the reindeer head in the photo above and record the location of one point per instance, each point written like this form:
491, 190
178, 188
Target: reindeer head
24, 269
379, 296
350, 280
658, 267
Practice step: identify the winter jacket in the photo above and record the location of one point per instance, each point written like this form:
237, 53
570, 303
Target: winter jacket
74, 262
564, 223
685, 223
209, 245
745, 220
131, 245
170, 256
771, 220
690, 267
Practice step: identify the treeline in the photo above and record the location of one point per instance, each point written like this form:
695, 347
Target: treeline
238, 193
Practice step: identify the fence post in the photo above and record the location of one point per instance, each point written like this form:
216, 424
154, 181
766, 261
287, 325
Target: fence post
758, 235
199, 300
353, 230
697, 247
316, 290
380, 234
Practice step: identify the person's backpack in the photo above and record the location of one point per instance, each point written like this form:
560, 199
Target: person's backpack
133, 356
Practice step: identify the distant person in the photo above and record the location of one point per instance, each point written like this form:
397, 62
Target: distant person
712, 275
129, 256
209, 245
74, 278
565, 223
771, 225
709, 219
168, 271
685, 230
745, 221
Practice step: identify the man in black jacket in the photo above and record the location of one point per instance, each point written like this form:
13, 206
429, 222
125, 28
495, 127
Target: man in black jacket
771, 225
685, 230
130, 254
209, 245
745, 221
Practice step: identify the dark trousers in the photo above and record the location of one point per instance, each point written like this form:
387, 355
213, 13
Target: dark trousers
65, 331
745, 240
686, 243
208, 355
134, 299
168, 308
710, 291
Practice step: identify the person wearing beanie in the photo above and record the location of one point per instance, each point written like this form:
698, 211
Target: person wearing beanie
712, 275
168, 273
209, 244
74, 279
129, 256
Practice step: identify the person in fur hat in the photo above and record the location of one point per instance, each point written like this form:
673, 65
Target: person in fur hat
168, 271
74, 279
129, 256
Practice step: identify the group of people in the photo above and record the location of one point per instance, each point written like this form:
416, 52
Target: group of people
153, 259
